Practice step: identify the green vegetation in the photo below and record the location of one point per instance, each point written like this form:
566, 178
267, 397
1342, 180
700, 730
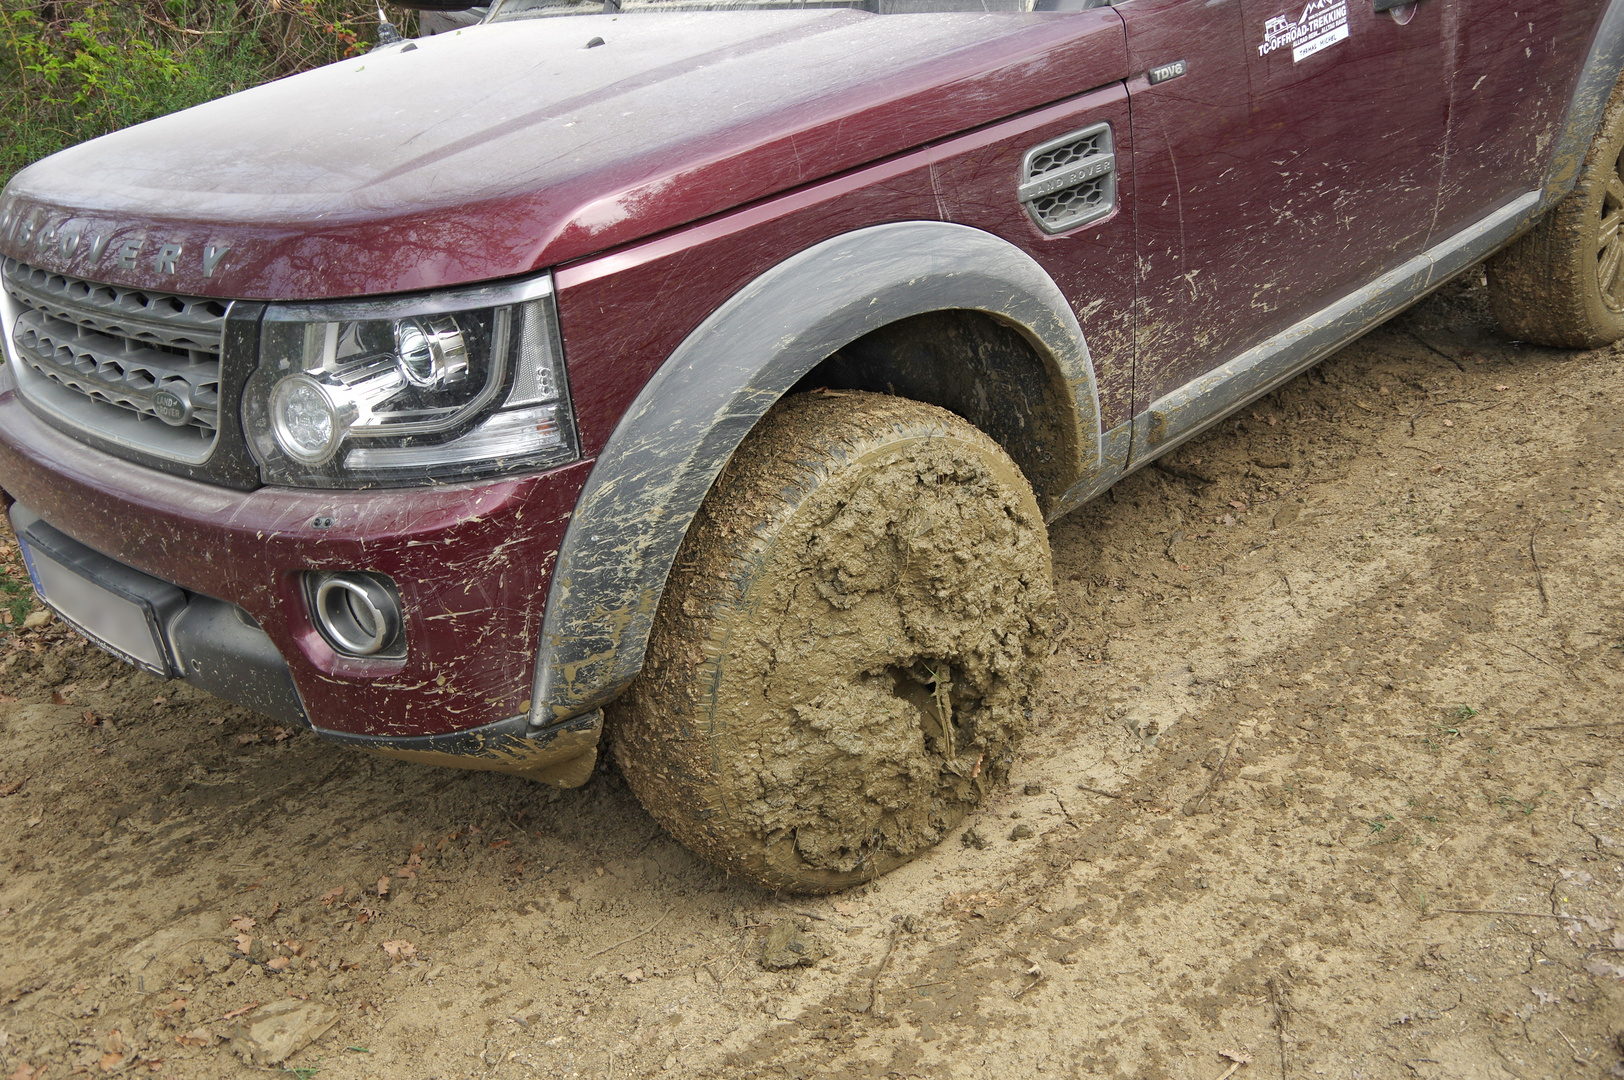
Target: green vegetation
71, 70
16, 600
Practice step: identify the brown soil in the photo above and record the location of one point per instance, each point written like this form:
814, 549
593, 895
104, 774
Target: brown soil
1325, 774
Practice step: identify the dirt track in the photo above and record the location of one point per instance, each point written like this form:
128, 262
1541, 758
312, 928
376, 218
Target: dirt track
1336, 693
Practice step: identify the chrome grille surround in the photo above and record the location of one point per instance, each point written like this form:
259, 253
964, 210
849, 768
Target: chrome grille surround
112, 361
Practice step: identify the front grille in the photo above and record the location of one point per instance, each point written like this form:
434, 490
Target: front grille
137, 368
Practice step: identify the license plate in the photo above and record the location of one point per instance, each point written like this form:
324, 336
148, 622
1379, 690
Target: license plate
119, 621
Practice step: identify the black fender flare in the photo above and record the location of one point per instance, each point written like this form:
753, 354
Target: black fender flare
676, 436
1603, 66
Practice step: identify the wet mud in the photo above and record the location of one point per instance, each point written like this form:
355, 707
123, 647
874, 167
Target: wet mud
1324, 773
844, 661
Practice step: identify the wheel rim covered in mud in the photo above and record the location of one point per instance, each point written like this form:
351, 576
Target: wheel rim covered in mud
1609, 244
864, 568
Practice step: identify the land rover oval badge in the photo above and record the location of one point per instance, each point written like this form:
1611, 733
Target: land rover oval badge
172, 408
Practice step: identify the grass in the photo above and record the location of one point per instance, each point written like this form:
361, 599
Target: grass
1527, 808
16, 592
75, 69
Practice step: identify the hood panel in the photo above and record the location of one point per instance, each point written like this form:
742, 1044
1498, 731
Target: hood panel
509, 147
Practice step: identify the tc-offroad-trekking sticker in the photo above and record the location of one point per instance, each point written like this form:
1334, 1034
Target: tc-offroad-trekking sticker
1323, 24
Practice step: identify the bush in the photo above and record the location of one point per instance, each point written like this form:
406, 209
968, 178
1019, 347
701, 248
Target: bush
71, 70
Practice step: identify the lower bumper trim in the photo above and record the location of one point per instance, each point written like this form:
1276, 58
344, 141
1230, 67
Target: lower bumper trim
562, 755
211, 644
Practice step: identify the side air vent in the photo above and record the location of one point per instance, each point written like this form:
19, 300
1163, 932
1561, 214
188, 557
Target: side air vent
1070, 181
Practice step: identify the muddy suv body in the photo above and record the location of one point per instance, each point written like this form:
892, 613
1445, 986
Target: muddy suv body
381, 399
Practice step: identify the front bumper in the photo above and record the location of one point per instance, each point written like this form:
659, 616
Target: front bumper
472, 563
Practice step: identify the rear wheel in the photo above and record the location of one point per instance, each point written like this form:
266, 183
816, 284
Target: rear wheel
1562, 283
845, 653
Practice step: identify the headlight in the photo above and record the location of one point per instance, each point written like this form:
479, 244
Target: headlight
443, 387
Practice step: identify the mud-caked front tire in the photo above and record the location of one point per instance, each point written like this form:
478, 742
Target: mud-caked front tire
845, 653
1562, 282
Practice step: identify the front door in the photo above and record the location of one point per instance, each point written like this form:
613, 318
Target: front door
1286, 152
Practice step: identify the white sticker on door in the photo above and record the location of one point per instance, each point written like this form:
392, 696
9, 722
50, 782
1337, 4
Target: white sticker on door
1323, 23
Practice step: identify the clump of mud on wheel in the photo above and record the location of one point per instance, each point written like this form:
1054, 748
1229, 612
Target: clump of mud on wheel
846, 651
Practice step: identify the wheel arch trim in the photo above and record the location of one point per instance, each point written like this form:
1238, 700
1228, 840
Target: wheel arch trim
1602, 69
684, 425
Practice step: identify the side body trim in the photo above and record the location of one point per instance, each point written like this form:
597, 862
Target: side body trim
660, 461
1204, 401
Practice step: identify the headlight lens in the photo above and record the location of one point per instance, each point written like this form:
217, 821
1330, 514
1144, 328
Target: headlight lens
444, 387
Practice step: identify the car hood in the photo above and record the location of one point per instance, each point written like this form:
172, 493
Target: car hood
503, 148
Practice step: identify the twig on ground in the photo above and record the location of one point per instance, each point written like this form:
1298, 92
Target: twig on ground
1279, 1021
1189, 476
1575, 1049
1291, 594
1496, 911
1037, 976
1539, 575
1217, 773
1240, 1057
809, 914
641, 933
1530, 655
1097, 791
874, 1006
1434, 348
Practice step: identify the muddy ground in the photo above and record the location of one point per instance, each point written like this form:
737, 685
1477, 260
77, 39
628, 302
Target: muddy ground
1326, 777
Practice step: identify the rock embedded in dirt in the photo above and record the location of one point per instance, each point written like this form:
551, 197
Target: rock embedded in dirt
1022, 832
787, 945
271, 1035
972, 838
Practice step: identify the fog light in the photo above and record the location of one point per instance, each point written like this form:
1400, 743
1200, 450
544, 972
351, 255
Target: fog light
357, 613
307, 421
